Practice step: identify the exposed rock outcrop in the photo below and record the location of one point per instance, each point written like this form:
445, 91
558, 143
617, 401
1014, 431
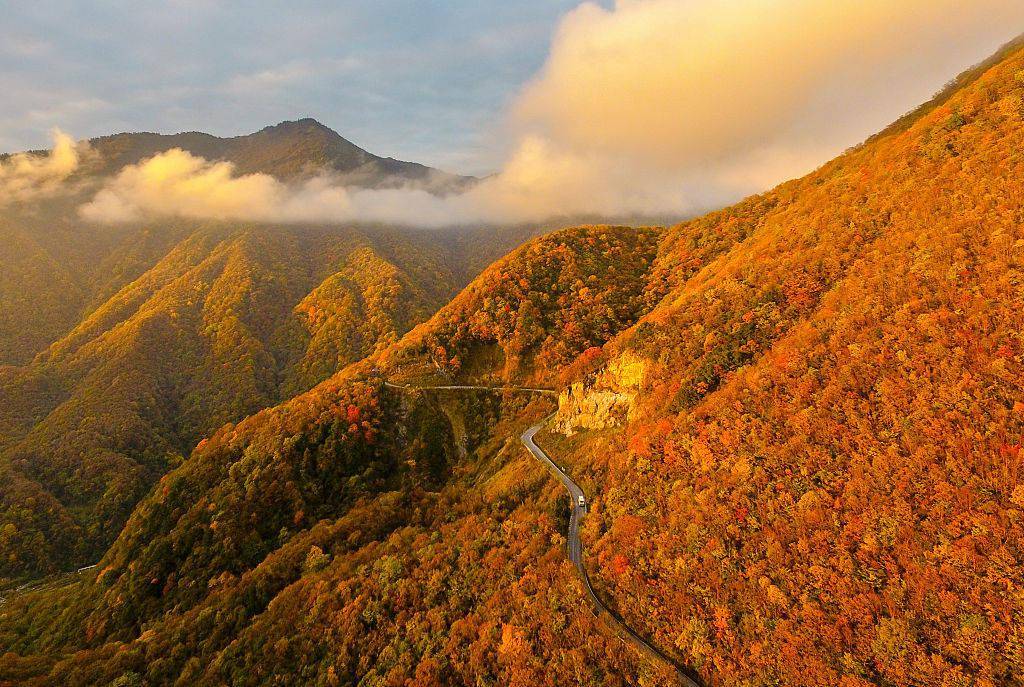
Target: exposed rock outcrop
605, 400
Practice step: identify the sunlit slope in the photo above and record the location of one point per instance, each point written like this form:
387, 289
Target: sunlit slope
822, 479
54, 269
230, 321
534, 311
399, 517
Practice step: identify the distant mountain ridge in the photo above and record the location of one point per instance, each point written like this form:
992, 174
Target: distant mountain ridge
288, 151
180, 328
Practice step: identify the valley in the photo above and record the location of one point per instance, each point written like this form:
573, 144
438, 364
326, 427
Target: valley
245, 444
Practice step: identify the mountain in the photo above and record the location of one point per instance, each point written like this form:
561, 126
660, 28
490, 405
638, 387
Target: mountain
287, 151
798, 421
55, 267
228, 321
122, 345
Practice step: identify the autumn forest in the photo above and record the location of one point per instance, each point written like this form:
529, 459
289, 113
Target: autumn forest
257, 427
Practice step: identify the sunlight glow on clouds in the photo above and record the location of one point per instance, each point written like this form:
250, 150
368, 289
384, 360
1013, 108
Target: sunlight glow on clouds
177, 183
705, 101
652, 107
25, 176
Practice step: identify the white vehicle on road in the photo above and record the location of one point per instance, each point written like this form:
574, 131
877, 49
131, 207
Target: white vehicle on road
581, 502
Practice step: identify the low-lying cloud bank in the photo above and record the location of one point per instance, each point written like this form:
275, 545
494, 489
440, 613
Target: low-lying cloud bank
177, 183
536, 184
653, 107
26, 176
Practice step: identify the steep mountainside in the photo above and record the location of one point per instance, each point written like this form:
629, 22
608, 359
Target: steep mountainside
55, 268
536, 310
404, 533
229, 321
821, 482
799, 421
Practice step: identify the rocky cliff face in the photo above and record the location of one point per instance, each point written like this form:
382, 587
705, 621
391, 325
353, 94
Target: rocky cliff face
605, 400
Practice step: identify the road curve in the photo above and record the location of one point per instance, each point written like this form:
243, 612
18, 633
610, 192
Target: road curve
574, 544
575, 549
43, 582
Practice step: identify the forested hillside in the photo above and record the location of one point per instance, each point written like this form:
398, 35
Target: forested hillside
227, 321
54, 270
799, 421
406, 534
536, 310
821, 482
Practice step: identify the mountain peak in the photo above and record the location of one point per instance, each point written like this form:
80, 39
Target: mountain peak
287, 150
304, 125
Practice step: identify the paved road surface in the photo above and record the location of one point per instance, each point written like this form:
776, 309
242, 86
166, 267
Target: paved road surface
574, 545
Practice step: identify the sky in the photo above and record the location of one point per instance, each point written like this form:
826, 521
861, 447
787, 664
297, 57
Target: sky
617, 108
419, 80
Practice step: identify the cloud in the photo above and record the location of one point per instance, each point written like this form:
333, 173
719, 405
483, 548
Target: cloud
27, 176
704, 101
297, 72
177, 183
652, 107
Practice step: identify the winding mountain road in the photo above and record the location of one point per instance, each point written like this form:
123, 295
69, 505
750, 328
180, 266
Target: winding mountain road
38, 584
577, 505
470, 387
